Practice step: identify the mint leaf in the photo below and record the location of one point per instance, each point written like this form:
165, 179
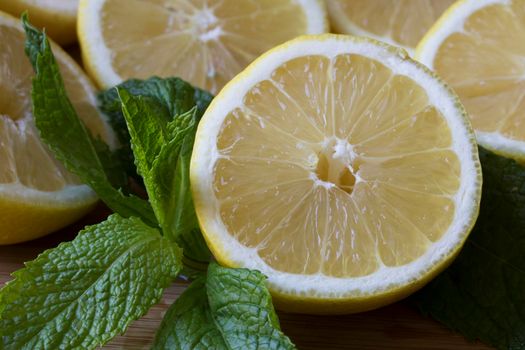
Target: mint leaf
64, 133
162, 147
84, 292
147, 122
176, 95
482, 294
228, 309
183, 218
156, 143
188, 324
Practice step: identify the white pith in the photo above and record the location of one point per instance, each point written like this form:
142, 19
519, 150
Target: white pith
70, 195
90, 13
385, 278
68, 7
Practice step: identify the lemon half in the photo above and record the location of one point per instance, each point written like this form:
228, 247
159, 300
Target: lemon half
343, 170
37, 195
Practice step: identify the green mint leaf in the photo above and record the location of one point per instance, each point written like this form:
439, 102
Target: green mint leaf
164, 182
188, 323
147, 122
176, 95
156, 143
162, 147
229, 309
84, 292
64, 133
481, 295
173, 189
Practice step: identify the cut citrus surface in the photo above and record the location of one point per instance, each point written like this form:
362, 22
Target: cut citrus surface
58, 17
478, 47
398, 22
205, 42
340, 168
37, 195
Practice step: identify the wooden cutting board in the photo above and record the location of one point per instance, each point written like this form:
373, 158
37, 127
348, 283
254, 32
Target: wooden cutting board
398, 326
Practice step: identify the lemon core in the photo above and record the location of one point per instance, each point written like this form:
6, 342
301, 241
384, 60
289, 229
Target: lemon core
336, 165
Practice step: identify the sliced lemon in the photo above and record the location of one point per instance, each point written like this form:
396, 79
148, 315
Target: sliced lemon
478, 47
58, 17
340, 168
37, 195
205, 42
398, 22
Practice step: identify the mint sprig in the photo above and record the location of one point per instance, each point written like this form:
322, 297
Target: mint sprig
228, 309
83, 293
169, 99
162, 147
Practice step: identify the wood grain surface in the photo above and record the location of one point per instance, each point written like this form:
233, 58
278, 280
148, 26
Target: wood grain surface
398, 326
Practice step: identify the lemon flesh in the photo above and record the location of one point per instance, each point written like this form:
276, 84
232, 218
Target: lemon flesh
478, 48
37, 195
205, 42
57, 17
338, 167
398, 22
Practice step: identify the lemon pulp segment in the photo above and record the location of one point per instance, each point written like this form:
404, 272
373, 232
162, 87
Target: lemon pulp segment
399, 22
